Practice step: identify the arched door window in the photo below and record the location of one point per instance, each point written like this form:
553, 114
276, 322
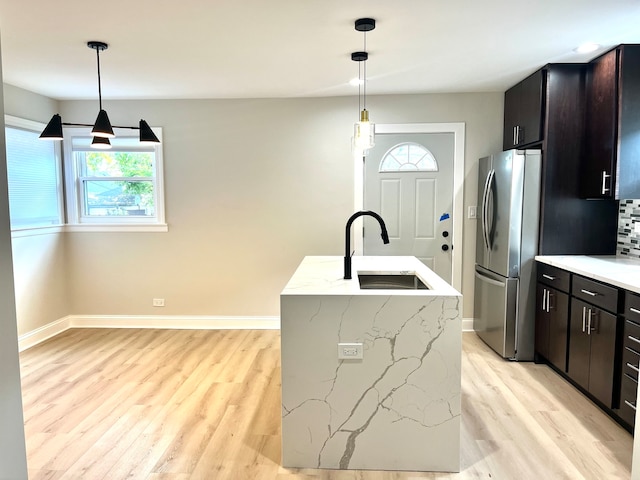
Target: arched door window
408, 157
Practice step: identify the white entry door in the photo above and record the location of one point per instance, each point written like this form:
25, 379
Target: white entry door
408, 180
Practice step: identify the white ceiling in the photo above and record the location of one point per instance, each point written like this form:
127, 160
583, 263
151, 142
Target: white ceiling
296, 48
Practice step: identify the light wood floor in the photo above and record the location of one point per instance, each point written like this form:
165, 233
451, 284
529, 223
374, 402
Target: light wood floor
189, 404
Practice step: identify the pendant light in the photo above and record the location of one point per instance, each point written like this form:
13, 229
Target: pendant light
102, 129
364, 130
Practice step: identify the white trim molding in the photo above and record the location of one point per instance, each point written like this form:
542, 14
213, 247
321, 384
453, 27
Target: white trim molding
467, 325
169, 322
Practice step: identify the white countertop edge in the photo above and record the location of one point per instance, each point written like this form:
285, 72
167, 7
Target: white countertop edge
622, 272
323, 275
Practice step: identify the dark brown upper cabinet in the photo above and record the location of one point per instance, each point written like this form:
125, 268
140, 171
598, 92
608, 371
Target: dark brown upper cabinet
523, 107
611, 166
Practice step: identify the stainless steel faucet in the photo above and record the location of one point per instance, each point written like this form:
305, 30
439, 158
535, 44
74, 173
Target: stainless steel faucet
347, 255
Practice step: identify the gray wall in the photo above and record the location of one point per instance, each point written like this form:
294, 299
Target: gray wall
39, 260
252, 186
13, 457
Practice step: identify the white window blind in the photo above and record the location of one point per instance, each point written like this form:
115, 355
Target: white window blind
34, 180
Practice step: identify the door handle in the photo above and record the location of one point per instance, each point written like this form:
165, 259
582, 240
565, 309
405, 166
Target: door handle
588, 292
633, 367
634, 310
589, 323
604, 180
629, 404
490, 179
490, 281
584, 318
548, 277
485, 208
548, 301
445, 247
544, 299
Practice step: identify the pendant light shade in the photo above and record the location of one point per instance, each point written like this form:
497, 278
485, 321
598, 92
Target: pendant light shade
102, 127
363, 133
101, 143
146, 134
53, 130
363, 130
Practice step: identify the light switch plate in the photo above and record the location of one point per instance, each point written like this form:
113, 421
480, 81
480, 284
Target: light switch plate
473, 211
350, 351
636, 227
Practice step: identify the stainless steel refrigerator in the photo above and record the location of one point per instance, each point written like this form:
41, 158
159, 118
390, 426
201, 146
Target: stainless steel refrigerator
506, 244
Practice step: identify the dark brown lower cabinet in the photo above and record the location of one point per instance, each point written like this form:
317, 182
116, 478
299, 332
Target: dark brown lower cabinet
592, 350
552, 320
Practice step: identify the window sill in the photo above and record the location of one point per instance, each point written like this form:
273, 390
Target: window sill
106, 227
33, 231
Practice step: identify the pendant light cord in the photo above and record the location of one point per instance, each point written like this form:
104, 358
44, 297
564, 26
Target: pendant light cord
99, 84
364, 86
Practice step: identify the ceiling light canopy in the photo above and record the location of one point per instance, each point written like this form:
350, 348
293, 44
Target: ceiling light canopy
102, 129
364, 130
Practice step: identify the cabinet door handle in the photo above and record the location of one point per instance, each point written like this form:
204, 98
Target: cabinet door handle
633, 367
629, 404
634, 310
584, 315
633, 339
589, 323
544, 299
549, 277
548, 301
604, 180
515, 135
588, 292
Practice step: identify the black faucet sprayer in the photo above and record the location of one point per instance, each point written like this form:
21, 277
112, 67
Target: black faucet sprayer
347, 255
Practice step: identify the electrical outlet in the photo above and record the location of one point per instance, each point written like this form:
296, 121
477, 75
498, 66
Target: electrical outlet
473, 211
158, 302
350, 351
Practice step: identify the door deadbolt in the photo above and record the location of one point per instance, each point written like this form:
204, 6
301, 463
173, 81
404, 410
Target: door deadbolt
445, 234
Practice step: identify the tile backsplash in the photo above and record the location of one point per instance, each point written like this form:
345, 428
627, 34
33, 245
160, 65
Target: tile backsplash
628, 219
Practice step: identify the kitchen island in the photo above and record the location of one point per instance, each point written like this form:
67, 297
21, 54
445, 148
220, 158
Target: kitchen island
395, 408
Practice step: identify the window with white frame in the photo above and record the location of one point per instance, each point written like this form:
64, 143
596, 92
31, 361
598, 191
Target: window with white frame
119, 187
34, 176
408, 157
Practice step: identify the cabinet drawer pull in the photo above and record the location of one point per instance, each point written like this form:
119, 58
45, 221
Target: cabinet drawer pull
634, 310
629, 404
633, 339
604, 179
633, 367
588, 292
549, 277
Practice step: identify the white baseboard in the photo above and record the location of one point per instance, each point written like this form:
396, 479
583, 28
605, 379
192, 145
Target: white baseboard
187, 322
467, 324
177, 322
43, 333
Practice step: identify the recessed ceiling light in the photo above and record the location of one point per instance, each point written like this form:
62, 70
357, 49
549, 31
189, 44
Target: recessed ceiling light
587, 48
354, 82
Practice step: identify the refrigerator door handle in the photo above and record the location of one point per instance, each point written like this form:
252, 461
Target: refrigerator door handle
490, 281
484, 210
485, 204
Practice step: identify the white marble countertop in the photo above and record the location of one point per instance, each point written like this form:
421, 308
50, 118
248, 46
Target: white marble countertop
323, 275
615, 270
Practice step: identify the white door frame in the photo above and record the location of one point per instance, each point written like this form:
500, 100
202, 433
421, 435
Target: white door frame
458, 131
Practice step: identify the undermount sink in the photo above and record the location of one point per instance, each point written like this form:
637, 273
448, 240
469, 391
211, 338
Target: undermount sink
391, 281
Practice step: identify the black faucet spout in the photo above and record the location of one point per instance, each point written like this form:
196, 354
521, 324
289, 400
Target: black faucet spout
347, 254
